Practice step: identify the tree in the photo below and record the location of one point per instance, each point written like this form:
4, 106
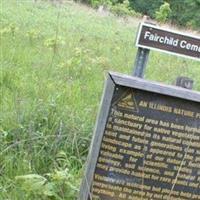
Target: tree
163, 14
185, 12
147, 7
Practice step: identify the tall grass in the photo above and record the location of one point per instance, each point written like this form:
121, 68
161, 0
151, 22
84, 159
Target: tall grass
54, 59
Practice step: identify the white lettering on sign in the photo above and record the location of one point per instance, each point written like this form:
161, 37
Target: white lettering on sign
164, 40
168, 41
188, 46
171, 41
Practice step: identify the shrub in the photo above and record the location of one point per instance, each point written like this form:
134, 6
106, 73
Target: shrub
97, 3
124, 9
164, 12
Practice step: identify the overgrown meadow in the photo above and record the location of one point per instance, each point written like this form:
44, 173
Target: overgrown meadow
54, 60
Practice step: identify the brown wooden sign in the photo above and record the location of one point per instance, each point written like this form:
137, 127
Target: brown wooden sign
146, 143
173, 42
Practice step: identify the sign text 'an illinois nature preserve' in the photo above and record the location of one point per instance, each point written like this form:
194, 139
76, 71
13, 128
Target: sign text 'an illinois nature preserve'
146, 143
173, 42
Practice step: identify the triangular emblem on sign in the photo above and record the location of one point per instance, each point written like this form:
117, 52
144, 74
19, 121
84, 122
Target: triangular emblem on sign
127, 102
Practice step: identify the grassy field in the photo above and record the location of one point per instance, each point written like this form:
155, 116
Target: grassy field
54, 60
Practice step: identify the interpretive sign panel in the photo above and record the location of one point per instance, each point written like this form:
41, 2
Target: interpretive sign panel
146, 143
173, 42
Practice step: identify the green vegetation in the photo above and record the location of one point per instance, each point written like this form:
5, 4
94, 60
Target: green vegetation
182, 12
163, 14
124, 9
54, 60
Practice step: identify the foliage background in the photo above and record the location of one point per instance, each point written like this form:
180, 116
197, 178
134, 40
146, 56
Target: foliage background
183, 12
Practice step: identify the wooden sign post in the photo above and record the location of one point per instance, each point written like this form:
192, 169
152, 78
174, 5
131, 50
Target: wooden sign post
141, 62
146, 143
184, 82
152, 37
